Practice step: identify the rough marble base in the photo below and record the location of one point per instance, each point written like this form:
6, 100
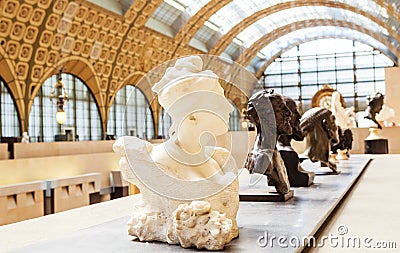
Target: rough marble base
258, 195
301, 216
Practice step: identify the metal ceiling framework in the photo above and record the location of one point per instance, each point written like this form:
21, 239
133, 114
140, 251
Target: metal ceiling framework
257, 46
219, 23
227, 38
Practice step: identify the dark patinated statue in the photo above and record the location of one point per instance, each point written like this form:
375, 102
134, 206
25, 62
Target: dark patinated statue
375, 104
348, 141
340, 144
318, 125
298, 177
345, 141
265, 158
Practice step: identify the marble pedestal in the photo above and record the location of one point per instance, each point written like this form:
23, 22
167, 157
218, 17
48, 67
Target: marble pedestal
377, 146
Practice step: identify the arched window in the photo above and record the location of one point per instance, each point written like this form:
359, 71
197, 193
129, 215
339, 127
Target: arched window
9, 122
352, 68
130, 114
234, 120
83, 116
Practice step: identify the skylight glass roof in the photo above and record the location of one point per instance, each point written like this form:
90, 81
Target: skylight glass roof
234, 12
270, 23
167, 13
193, 6
175, 13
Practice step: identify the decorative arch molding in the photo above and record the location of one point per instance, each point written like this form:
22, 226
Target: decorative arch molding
226, 39
250, 52
265, 65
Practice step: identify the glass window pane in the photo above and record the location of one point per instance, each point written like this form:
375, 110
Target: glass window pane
132, 115
346, 89
345, 76
308, 91
327, 77
309, 78
365, 74
290, 79
10, 126
344, 62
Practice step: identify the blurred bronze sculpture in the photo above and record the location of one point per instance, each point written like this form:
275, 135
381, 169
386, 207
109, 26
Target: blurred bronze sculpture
265, 158
374, 106
340, 144
298, 177
375, 143
318, 125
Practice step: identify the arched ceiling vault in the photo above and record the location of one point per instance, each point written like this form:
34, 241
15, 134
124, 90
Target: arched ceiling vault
188, 30
227, 38
278, 53
250, 53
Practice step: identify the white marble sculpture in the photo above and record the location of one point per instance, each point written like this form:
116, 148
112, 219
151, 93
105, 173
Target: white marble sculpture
385, 115
189, 191
345, 117
25, 137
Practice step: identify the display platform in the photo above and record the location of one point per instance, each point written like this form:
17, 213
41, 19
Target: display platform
256, 195
259, 222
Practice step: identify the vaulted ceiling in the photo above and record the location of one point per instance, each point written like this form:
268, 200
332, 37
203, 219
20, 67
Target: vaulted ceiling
246, 30
112, 43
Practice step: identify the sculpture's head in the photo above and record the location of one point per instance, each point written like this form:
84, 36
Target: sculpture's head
323, 118
193, 98
297, 133
375, 103
259, 111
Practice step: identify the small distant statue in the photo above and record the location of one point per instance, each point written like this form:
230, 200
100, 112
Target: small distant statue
375, 104
386, 115
345, 117
347, 144
318, 125
340, 144
298, 177
341, 149
265, 158
25, 137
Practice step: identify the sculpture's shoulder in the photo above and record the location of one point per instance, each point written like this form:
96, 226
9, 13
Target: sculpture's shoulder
132, 145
